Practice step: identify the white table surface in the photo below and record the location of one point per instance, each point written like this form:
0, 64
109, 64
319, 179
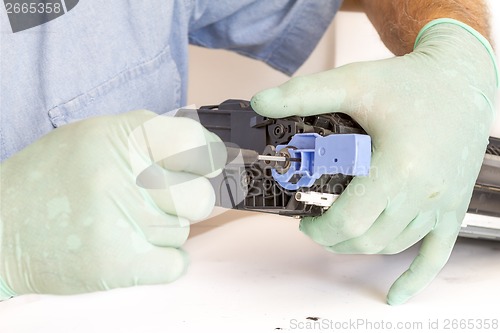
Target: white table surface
256, 273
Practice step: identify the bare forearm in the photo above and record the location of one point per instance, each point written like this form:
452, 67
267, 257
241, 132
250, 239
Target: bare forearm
399, 21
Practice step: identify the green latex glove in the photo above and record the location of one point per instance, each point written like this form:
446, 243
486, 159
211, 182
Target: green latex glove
86, 209
428, 114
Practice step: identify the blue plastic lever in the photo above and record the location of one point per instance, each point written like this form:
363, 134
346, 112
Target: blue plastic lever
316, 155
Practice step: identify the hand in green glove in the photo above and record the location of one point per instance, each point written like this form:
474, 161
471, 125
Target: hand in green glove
429, 115
86, 207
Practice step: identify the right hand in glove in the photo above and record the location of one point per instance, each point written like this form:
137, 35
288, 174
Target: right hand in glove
428, 114
98, 204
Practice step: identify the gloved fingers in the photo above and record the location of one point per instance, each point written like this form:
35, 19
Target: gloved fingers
336, 90
118, 265
414, 232
153, 265
186, 195
388, 226
163, 229
352, 214
208, 160
157, 266
433, 255
177, 144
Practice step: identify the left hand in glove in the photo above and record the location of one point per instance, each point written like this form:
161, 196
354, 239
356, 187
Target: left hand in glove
429, 114
105, 203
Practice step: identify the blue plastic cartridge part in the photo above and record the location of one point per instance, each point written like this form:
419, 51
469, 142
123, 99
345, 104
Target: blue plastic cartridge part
311, 155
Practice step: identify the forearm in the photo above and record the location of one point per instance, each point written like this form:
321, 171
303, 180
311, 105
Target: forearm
398, 22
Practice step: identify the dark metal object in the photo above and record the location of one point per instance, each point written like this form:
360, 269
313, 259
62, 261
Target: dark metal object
249, 185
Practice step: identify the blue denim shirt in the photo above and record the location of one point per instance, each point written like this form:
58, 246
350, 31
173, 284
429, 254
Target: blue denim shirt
113, 56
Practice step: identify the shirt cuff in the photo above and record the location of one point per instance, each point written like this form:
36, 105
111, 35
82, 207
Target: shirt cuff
471, 30
302, 36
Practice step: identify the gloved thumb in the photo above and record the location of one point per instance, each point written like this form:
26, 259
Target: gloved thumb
336, 90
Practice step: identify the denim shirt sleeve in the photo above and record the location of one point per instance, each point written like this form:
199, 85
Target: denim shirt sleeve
281, 33
100, 58
113, 56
